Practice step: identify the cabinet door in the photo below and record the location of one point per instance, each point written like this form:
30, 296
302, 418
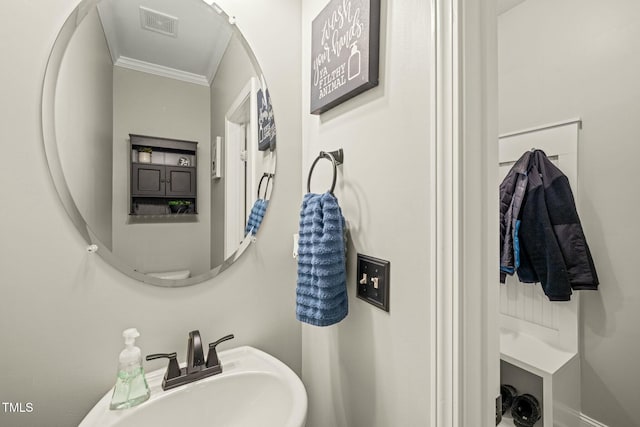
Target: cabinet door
147, 180
181, 181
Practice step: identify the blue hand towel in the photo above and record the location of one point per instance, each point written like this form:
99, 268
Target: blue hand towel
256, 216
322, 279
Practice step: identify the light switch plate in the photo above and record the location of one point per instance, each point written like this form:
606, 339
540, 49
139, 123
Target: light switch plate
372, 281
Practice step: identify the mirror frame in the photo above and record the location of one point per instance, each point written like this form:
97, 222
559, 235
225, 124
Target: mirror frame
50, 144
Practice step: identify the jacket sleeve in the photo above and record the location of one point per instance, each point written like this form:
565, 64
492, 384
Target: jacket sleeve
541, 258
568, 231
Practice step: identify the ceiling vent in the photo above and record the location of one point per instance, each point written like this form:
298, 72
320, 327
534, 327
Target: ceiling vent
158, 22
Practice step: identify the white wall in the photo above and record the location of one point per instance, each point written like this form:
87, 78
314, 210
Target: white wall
62, 311
85, 126
581, 58
146, 104
373, 368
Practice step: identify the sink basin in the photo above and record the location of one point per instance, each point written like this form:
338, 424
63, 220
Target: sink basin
254, 389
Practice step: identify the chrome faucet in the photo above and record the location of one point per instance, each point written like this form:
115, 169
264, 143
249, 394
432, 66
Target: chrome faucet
196, 367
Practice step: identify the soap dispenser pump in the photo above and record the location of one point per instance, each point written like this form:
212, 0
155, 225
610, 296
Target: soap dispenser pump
131, 387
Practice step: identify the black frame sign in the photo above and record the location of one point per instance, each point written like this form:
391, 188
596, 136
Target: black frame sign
266, 122
345, 45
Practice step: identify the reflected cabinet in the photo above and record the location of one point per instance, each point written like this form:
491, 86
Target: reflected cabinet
163, 176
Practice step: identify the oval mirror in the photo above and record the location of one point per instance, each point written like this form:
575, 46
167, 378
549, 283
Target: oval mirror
160, 136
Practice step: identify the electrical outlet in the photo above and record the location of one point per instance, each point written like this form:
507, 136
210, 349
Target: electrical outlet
373, 281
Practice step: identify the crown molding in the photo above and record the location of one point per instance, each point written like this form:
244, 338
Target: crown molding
159, 70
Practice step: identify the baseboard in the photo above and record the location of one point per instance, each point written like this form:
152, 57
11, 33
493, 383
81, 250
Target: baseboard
586, 421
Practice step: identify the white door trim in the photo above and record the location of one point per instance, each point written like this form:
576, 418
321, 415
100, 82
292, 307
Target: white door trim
241, 129
444, 319
465, 199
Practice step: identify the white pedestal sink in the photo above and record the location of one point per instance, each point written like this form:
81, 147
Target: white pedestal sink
254, 389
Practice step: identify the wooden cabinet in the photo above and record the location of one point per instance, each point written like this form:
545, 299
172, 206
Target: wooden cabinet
163, 176
149, 180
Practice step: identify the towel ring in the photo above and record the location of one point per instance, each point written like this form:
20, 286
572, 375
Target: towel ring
336, 157
266, 188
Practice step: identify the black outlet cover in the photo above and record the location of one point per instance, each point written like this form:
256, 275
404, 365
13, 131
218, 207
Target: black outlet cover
373, 268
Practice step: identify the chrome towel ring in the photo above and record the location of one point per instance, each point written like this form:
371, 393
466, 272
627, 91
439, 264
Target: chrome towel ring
336, 157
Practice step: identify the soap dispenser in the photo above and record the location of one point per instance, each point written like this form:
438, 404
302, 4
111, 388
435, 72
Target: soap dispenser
131, 387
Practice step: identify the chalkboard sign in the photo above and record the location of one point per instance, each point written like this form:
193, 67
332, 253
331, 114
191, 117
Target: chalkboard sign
344, 52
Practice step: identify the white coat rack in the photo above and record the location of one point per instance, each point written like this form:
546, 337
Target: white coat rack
539, 338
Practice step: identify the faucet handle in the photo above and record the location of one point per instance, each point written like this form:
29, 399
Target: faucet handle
212, 357
173, 370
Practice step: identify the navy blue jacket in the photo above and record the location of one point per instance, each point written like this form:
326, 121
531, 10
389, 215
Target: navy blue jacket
552, 247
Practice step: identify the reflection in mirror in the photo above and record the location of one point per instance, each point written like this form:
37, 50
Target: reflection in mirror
158, 128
